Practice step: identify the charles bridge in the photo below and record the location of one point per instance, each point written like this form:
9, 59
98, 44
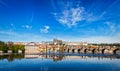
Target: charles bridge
99, 50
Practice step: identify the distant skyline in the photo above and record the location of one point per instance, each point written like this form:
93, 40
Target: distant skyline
94, 21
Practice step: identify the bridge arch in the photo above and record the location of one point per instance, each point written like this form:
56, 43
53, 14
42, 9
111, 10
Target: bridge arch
73, 50
103, 50
78, 50
85, 50
93, 51
115, 51
64, 50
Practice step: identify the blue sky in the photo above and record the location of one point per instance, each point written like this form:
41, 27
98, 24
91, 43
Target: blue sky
94, 21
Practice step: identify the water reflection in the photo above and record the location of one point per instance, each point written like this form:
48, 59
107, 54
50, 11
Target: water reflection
59, 62
12, 57
58, 57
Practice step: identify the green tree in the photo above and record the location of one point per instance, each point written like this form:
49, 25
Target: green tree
3, 46
21, 47
14, 48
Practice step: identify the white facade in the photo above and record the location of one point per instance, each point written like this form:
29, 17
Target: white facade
31, 48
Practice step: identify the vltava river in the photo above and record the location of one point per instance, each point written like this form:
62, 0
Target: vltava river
60, 62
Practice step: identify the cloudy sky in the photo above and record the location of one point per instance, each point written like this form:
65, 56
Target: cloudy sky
94, 21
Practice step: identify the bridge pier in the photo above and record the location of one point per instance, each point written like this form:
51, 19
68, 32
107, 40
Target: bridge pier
70, 51
76, 50
89, 51
111, 52
83, 51
96, 51
106, 51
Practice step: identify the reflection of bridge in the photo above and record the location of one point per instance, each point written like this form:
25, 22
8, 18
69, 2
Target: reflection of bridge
103, 50
58, 57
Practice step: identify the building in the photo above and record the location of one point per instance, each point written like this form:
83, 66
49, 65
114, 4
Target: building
57, 42
9, 44
76, 43
31, 48
19, 43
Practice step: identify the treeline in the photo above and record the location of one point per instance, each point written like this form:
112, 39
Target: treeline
106, 44
14, 48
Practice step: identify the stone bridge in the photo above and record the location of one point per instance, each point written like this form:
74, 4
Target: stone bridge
99, 50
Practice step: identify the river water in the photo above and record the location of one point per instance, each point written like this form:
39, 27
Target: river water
60, 62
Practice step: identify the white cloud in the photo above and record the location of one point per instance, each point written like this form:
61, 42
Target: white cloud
92, 39
32, 17
71, 12
11, 24
45, 29
101, 39
6, 35
8, 32
111, 26
70, 17
27, 26
14, 36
